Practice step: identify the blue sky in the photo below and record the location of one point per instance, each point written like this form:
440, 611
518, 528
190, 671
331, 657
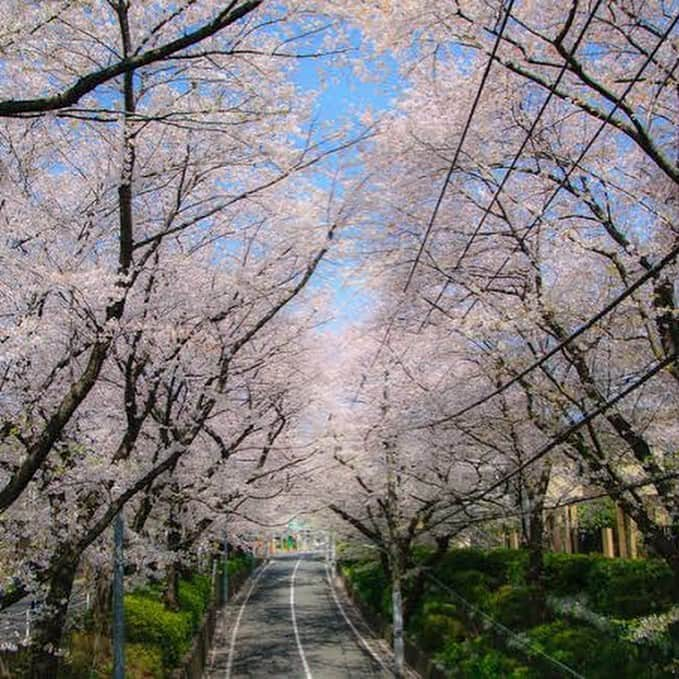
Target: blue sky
344, 97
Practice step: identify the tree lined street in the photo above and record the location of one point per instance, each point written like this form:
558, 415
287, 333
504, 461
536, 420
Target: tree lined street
289, 624
406, 271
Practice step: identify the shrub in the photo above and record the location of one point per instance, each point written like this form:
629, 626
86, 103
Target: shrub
507, 566
627, 588
498, 566
203, 584
475, 659
370, 583
568, 573
192, 600
435, 627
90, 658
148, 621
587, 650
240, 562
517, 607
142, 661
596, 514
471, 585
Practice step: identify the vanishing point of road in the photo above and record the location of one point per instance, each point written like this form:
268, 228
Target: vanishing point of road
291, 621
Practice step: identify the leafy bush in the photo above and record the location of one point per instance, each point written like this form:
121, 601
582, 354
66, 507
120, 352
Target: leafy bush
475, 659
147, 621
143, 661
369, 581
630, 588
507, 566
239, 562
587, 650
90, 658
596, 514
517, 607
471, 585
568, 573
498, 566
193, 600
203, 584
436, 625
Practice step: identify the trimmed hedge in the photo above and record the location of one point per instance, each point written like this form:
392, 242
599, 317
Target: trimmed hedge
627, 589
493, 581
517, 608
476, 659
589, 651
90, 658
370, 583
498, 566
194, 598
568, 573
148, 621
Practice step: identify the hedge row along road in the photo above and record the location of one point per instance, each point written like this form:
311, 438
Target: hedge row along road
291, 622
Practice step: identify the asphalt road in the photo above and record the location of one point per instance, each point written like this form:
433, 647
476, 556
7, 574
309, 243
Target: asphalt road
290, 622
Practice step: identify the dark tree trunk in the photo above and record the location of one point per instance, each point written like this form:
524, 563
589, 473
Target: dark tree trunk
174, 538
417, 583
46, 641
535, 547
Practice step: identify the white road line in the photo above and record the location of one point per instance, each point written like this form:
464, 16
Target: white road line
359, 636
307, 671
234, 632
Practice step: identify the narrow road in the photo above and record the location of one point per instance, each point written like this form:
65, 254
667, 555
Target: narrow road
291, 622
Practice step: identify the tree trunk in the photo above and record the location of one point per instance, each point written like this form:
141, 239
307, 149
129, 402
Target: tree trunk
415, 590
174, 537
49, 627
172, 587
535, 548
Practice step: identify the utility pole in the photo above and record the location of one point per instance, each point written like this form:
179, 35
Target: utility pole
118, 593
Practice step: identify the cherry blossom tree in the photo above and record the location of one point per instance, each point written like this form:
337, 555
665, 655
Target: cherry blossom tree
554, 196
151, 244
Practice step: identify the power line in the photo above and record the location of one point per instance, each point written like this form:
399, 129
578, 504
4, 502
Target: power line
668, 259
524, 143
465, 130
619, 488
442, 193
581, 156
519, 639
564, 435
559, 39
627, 292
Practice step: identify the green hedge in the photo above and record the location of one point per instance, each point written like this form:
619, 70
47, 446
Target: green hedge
568, 573
630, 588
589, 651
148, 621
477, 659
435, 624
237, 563
194, 598
370, 583
498, 566
517, 607
89, 657
493, 581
